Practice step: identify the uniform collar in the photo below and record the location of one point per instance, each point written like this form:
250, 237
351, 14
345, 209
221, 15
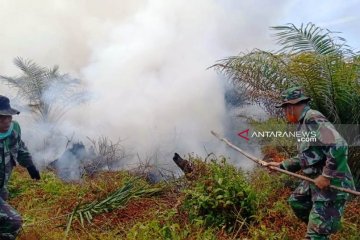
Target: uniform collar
7, 133
303, 113
302, 116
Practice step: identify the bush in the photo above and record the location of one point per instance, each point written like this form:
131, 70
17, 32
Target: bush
220, 198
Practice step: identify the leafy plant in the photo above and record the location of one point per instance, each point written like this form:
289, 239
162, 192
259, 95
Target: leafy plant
264, 233
164, 227
221, 198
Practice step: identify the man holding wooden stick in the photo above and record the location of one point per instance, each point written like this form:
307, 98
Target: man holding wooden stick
325, 160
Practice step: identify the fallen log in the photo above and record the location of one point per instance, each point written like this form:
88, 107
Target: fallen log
183, 164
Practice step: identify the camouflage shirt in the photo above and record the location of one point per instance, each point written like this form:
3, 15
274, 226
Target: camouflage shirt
12, 149
327, 155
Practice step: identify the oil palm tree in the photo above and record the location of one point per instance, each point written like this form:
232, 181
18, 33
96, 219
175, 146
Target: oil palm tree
48, 93
309, 56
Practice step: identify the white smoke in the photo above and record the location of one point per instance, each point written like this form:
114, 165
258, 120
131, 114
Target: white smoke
144, 62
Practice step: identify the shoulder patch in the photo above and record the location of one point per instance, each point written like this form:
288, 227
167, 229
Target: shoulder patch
313, 116
327, 136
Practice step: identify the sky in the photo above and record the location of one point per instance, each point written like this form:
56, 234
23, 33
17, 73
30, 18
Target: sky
144, 64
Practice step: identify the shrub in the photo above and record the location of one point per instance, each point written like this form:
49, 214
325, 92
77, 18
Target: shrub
220, 198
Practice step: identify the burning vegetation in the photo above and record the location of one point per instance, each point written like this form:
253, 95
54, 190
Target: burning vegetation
78, 160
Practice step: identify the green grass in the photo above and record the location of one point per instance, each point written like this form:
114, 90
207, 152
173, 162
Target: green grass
201, 208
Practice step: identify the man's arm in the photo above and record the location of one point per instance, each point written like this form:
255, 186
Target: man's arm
24, 157
336, 161
332, 146
291, 164
313, 155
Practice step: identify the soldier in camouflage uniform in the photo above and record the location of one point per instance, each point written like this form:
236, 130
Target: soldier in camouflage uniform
12, 149
325, 160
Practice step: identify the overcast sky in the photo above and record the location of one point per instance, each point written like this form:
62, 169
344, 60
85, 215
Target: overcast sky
335, 15
67, 32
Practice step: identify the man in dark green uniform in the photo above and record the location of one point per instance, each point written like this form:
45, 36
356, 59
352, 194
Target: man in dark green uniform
12, 150
325, 160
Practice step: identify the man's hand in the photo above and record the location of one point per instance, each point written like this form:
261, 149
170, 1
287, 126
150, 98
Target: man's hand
273, 164
322, 182
33, 172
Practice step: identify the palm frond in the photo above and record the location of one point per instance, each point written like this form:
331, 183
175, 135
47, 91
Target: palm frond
29, 68
309, 38
45, 89
262, 75
114, 200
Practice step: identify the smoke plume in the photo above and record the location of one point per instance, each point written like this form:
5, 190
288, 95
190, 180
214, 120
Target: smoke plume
143, 61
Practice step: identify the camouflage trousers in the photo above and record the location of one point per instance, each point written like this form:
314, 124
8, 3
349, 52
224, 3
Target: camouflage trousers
322, 217
10, 220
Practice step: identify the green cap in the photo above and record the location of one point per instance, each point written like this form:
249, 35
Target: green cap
292, 95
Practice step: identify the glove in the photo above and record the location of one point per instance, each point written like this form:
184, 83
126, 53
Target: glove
33, 172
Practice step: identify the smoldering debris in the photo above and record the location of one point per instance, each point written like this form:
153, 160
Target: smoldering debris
152, 172
183, 164
70, 166
78, 160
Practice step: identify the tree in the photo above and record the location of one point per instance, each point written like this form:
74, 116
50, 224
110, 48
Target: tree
309, 56
49, 93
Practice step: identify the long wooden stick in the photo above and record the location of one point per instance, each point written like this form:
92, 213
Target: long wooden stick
264, 164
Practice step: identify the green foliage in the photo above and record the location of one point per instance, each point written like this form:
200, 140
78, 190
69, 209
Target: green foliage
354, 156
155, 230
53, 185
331, 82
310, 38
265, 185
329, 74
165, 228
261, 75
18, 185
221, 198
311, 57
349, 230
44, 211
266, 233
114, 200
